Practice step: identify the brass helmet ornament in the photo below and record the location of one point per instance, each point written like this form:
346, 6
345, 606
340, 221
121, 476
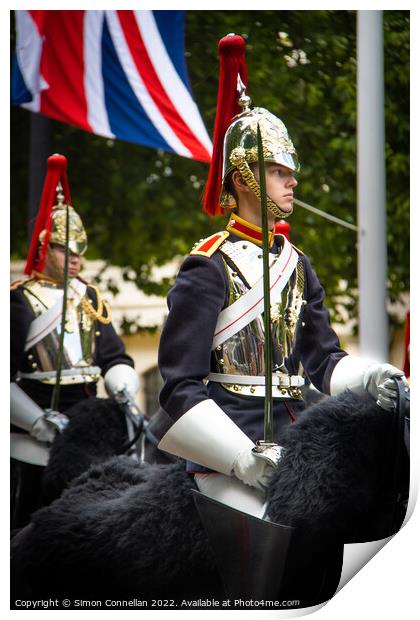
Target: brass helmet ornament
50, 225
77, 234
239, 134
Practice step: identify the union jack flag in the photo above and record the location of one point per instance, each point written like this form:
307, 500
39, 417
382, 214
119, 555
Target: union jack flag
118, 74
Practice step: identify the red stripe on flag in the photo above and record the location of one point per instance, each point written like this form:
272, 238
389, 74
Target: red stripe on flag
39, 18
154, 86
62, 65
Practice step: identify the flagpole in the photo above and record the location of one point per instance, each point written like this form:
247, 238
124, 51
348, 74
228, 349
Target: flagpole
371, 188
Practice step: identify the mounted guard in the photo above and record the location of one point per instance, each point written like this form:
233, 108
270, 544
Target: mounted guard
62, 340
232, 373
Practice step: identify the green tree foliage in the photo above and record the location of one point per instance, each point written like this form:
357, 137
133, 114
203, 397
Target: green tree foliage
142, 207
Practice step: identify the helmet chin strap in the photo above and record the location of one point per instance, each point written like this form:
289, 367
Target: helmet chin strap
275, 209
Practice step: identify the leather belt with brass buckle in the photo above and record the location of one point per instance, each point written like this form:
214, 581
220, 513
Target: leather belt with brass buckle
69, 376
284, 386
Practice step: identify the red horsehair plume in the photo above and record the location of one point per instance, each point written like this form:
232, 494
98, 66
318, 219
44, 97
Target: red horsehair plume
232, 63
56, 172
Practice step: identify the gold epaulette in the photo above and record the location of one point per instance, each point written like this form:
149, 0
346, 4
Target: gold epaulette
298, 250
14, 285
208, 246
103, 312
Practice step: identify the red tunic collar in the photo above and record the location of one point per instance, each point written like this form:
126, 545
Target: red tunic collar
243, 229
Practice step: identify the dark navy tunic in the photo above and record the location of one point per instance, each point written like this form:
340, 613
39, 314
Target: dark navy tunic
195, 302
26, 491
109, 351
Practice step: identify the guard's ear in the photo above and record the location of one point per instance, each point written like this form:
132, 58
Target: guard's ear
39, 250
239, 182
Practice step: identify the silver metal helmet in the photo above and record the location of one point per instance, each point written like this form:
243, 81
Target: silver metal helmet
77, 233
240, 148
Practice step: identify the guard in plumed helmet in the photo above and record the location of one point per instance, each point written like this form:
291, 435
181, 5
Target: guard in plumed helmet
240, 151
52, 370
212, 347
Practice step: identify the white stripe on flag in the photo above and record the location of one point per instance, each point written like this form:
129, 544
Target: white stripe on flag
172, 83
139, 87
34, 105
28, 52
94, 85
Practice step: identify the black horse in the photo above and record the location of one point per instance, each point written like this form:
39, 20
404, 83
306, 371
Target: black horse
121, 528
98, 430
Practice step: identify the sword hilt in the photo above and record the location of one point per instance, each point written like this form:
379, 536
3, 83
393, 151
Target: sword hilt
270, 452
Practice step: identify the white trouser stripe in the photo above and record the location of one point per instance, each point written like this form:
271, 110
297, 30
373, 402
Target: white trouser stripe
232, 492
25, 448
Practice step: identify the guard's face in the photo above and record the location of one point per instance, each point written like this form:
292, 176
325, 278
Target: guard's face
280, 183
54, 263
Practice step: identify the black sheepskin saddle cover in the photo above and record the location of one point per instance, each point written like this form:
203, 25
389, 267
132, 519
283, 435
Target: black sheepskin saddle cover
97, 431
123, 528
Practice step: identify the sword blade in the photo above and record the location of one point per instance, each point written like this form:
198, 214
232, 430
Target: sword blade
268, 402
55, 398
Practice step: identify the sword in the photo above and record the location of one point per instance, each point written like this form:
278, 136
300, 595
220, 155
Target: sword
244, 101
268, 402
266, 448
56, 391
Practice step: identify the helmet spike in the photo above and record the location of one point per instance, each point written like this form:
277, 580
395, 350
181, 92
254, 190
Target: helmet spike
244, 100
60, 195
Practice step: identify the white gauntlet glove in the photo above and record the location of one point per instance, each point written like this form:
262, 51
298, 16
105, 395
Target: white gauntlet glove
26, 414
360, 375
43, 430
253, 470
119, 377
379, 383
58, 421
